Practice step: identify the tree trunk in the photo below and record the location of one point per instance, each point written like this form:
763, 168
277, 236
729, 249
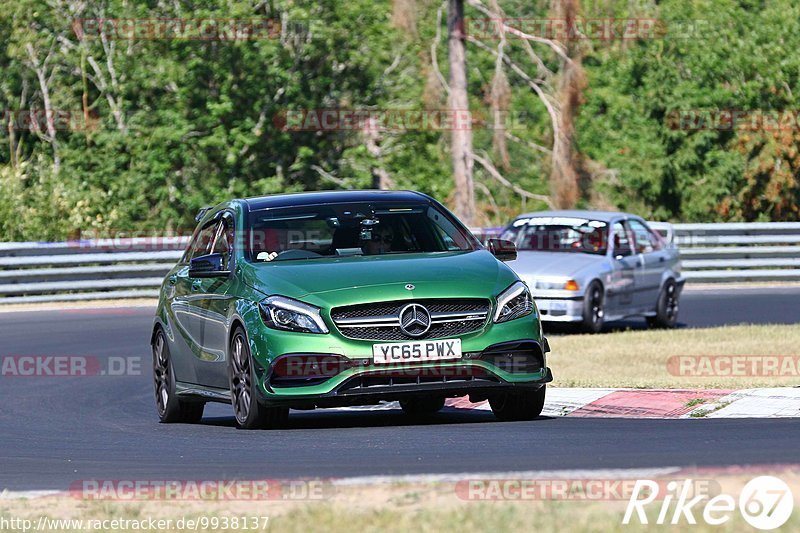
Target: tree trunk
372, 140
461, 119
565, 177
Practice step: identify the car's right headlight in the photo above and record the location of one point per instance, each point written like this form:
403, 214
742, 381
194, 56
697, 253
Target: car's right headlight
279, 312
514, 302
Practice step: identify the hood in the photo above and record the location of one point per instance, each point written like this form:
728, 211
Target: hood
551, 264
338, 281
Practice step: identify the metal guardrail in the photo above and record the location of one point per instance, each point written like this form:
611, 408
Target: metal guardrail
86, 269
755, 251
134, 268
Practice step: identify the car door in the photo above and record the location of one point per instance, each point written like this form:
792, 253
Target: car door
622, 286
186, 305
654, 260
215, 300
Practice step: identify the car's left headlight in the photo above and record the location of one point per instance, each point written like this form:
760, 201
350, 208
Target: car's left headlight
279, 312
514, 302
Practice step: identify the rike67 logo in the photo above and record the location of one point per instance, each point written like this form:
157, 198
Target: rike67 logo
765, 503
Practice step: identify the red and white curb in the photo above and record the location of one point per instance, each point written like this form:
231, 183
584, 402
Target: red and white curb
650, 403
669, 403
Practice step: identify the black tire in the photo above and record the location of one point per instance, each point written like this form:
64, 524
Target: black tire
518, 405
170, 409
422, 406
248, 411
593, 308
666, 307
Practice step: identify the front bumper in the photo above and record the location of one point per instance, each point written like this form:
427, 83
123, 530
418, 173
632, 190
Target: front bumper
560, 309
499, 368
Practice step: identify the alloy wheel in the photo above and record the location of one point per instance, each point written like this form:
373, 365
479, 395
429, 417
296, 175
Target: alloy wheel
161, 373
241, 379
597, 305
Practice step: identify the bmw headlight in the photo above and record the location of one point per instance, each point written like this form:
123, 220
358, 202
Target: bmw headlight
565, 285
286, 314
514, 302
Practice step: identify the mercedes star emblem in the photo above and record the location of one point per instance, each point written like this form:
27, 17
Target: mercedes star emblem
415, 320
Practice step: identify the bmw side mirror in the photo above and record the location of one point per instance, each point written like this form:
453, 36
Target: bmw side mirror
208, 266
502, 249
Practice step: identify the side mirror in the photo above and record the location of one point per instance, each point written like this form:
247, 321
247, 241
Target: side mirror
502, 249
208, 266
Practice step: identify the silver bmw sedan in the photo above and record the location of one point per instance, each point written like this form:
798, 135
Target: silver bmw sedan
591, 267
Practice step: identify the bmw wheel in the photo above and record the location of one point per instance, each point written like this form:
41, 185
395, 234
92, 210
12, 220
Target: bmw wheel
170, 408
593, 308
666, 307
249, 412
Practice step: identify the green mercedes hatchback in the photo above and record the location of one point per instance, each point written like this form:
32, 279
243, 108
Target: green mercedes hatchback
330, 299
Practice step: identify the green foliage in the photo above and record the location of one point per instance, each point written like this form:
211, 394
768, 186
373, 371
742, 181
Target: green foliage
179, 124
730, 56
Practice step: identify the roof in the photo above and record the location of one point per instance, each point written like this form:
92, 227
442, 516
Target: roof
603, 216
332, 197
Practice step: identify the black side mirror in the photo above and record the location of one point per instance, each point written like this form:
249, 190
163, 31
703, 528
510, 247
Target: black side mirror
208, 266
502, 249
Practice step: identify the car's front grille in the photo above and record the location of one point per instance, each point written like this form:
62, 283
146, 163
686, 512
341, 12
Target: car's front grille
381, 321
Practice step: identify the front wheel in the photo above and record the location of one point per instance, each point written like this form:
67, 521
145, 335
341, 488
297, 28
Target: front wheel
422, 406
170, 409
666, 307
249, 412
593, 308
516, 406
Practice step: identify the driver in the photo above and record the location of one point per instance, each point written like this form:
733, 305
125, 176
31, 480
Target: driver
380, 240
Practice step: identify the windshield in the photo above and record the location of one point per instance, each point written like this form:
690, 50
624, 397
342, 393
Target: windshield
352, 230
559, 234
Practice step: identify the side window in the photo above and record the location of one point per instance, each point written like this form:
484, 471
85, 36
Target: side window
622, 243
202, 242
646, 242
224, 239
658, 241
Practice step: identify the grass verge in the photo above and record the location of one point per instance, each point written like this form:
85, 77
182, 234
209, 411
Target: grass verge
408, 506
653, 358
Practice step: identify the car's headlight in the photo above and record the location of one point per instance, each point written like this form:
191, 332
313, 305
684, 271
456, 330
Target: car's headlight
283, 313
514, 302
565, 285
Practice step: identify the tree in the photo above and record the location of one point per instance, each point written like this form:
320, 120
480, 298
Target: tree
566, 170
461, 117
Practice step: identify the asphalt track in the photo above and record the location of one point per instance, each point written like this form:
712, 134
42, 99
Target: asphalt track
55, 431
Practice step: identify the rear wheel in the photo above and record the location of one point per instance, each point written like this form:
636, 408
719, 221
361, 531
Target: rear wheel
249, 412
170, 409
515, 406
666, 307
422, 406
593, 308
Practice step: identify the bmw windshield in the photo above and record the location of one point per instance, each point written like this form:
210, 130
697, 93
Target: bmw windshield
559, 234
313, 232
